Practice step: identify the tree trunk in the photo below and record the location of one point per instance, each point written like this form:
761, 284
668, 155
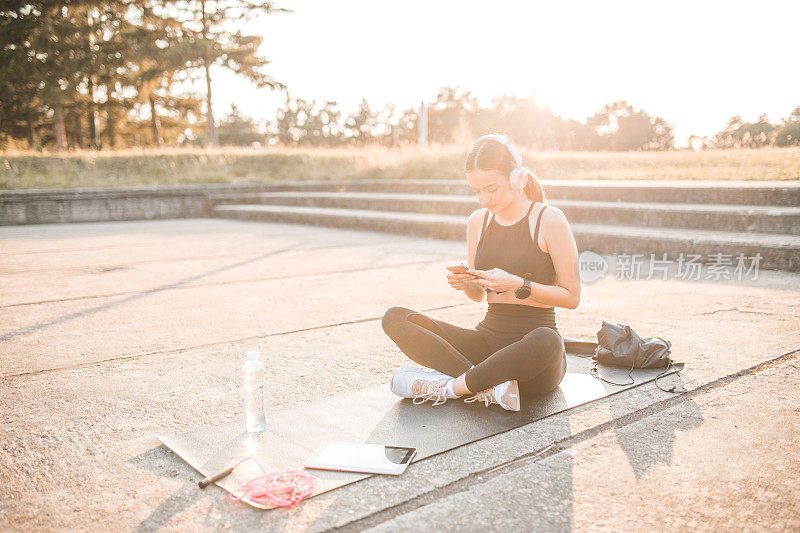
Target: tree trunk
155, 122
58, 128
94, 129
94, 119
111, 126
212, 130
33, 143
80, 137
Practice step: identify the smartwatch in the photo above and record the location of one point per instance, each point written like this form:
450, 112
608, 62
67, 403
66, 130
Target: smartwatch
524, 291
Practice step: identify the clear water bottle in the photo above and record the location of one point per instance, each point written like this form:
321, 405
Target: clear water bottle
255, 419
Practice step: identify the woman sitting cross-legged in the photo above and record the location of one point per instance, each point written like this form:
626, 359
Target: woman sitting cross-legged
522, 255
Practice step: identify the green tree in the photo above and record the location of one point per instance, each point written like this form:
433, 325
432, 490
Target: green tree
331, 120
42, 42
522, 119
387, 131
360, 126
618, 126
20, 90
729, 136
449, 117
285, 125
407, 126
738, 134
314, 126
238, 130
292, 121
323, 124
758, 134
66, 52
789, 133
208, 29
159, 54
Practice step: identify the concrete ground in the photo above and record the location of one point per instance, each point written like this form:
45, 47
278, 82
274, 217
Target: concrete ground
111, 332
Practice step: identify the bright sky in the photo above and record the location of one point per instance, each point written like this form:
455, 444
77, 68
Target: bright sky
696, 63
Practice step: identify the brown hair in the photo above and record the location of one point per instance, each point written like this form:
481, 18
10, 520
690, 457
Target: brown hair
490, 154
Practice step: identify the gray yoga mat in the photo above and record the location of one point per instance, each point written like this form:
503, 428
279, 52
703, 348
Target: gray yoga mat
375, 415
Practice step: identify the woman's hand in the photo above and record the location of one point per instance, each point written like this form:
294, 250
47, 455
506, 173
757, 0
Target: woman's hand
496, 280
460, 281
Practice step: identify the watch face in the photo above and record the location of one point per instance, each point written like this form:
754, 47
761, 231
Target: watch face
524, 291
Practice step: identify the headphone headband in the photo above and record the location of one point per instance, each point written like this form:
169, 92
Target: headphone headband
505, 142
519, 176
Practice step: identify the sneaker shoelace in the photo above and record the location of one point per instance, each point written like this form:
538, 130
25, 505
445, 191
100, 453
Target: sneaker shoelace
424, 390
486, 396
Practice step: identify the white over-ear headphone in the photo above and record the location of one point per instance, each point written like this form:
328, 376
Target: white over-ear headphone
519, 176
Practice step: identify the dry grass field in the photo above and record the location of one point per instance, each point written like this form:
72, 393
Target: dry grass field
23, 170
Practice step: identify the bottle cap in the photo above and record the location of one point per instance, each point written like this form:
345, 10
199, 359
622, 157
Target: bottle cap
252, 355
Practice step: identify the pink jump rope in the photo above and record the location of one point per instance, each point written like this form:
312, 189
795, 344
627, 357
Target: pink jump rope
279, 489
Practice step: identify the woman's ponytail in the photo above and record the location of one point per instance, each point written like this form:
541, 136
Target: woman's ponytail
533, 189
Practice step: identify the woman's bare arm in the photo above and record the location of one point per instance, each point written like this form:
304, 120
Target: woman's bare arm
564, 253
474, 292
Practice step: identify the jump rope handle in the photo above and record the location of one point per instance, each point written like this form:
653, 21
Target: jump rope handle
213, 479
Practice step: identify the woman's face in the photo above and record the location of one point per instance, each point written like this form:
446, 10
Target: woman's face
491, 188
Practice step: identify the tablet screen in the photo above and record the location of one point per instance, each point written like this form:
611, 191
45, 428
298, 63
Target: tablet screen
358, 457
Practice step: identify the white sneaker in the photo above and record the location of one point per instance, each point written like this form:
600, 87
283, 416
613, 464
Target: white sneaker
420, 385
506, 395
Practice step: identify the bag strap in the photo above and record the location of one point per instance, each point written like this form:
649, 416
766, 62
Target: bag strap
669, 344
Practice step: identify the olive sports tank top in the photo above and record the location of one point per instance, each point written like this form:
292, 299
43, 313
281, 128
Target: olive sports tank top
512, 249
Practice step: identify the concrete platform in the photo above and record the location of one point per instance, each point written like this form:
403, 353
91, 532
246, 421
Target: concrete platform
111, 332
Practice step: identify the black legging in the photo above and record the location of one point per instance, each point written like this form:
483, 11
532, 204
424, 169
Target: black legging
537, 360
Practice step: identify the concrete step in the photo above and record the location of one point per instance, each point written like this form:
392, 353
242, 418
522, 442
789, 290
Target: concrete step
750, 219
778, 251
771, 193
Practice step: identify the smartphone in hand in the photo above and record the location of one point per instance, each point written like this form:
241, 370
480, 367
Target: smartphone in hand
457, 269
